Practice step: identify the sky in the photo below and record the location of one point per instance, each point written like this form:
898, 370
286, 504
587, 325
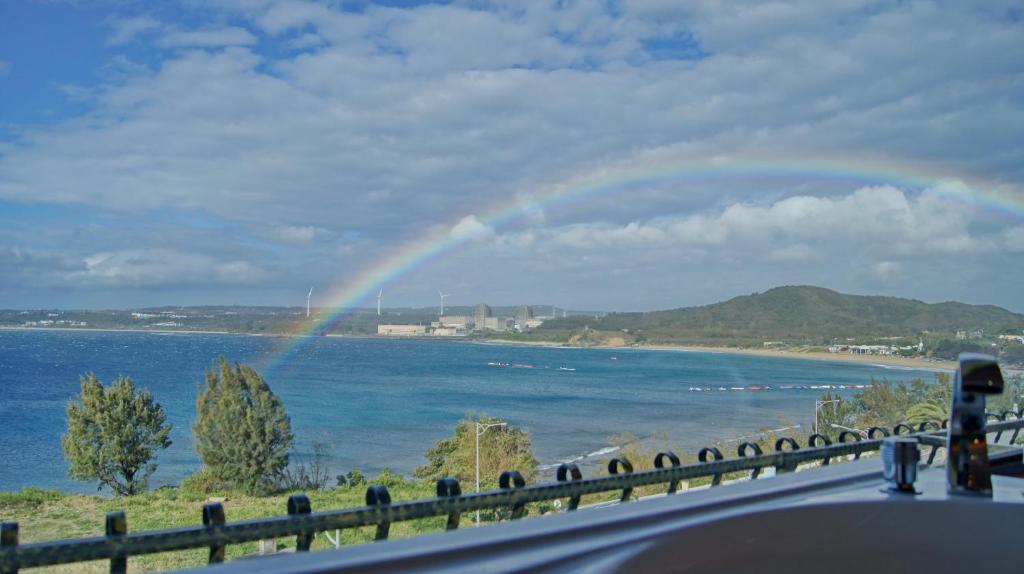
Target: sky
592, 155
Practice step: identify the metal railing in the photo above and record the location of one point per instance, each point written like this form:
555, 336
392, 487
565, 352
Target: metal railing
513, 494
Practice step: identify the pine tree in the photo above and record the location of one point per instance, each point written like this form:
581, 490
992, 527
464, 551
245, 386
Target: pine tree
114, 434
242, 432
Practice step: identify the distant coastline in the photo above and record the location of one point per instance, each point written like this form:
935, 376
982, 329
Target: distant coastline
905, 362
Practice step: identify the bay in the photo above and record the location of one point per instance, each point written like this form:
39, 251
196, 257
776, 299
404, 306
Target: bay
379, 403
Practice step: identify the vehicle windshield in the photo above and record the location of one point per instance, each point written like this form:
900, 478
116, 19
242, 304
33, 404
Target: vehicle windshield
255, 248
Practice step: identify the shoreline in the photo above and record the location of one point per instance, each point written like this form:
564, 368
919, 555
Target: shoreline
883, 360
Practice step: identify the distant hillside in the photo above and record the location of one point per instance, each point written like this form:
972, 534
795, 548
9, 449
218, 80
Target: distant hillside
799, 314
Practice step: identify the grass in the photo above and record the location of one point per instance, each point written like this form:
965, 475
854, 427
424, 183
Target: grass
45, 515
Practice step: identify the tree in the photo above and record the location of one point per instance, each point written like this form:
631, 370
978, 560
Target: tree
243, 434
501, 448
927, 411
885, 405
834, 414
114, 434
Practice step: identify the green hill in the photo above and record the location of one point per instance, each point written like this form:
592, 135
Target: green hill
800, 314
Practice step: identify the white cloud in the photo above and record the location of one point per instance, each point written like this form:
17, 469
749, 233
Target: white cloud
883, 217
887, 271
470, 227
124, 30
215, 38
159, 267
297, 234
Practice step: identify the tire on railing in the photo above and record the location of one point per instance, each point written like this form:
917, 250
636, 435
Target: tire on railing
659, 462
741, 451
873, 432
814, 439
511, 480
793, 446
856, 438
298, 505
378, 495
898, 429
568, 471
213, 519
449, 488
702, 456
627, 468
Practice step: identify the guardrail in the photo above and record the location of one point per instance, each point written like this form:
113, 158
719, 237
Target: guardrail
513, 494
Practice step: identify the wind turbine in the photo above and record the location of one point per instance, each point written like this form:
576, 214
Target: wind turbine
307, 301
443, 295
379, 295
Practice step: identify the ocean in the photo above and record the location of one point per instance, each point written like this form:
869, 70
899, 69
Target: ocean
379, 403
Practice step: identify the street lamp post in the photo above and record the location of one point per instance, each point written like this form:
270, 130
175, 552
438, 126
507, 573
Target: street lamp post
817, 408
480, 430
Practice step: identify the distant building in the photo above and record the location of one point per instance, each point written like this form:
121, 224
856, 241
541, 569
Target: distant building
523, 314
493, 324
534, 323
448, 332
401, 330
457, 321
480, 315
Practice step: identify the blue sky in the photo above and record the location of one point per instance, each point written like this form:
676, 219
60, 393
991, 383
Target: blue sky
184, 152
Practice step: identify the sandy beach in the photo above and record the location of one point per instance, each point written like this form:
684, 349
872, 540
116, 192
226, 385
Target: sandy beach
909, 362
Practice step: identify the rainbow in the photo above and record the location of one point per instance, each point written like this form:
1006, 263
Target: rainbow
358, 289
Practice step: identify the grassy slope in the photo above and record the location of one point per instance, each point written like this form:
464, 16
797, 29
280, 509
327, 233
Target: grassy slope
47, 515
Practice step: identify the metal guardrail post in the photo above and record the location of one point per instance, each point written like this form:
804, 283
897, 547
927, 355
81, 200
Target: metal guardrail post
1016, 431
378, 495
298, 505
213, 520
997, 417
8, 539
116, 529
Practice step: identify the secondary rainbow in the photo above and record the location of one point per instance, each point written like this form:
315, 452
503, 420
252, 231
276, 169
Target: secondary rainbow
344, 298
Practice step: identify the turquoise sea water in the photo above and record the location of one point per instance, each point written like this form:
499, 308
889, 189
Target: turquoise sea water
382, 403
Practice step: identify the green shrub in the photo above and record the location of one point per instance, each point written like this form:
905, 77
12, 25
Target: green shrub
242, 432
114, 434
30, 496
